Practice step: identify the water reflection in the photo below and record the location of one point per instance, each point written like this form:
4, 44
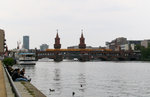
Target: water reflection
57, 81
82, 80
82, 83
57, 74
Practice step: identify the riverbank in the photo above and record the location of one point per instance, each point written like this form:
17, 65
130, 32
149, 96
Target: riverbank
2, 82
25, 89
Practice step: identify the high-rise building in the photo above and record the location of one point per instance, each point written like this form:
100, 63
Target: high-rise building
43, 47
26, 42
2, 40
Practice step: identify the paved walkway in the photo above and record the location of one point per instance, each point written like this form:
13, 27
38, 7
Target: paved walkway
8, 86
2, 82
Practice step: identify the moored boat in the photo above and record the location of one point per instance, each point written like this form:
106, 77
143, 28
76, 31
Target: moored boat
27, 59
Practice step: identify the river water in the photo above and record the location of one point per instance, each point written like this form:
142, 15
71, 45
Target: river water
98, 79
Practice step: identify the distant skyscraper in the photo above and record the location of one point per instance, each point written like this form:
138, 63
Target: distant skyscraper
2, 40
43, 47
26, 42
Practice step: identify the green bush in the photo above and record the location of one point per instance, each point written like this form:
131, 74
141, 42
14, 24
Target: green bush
9, 61
145, 52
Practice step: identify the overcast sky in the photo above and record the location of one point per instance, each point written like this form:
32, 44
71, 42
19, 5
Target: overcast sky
101, 20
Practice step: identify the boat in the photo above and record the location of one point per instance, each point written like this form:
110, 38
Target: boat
75, 59
26, 62
27, 59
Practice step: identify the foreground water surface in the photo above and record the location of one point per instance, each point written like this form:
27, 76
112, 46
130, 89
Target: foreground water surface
98, 79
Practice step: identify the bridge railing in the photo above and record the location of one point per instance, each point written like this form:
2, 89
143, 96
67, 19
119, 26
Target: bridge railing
15, 90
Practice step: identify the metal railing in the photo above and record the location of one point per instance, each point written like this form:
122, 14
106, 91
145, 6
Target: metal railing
15, 90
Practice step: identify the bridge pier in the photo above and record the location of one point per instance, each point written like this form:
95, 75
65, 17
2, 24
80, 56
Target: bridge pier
58, 58
84, 58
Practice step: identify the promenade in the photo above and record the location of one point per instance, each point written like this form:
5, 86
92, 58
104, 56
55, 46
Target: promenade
26, 89
2, 82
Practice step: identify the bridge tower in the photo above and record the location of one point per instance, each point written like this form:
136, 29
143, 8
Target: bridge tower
57, 44
82, 44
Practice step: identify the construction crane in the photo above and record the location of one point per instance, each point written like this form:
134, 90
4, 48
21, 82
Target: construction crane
18, 44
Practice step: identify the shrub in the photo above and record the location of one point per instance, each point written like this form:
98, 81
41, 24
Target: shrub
9, 61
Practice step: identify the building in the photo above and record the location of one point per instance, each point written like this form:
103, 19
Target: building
122, 43
43, 47
145, 43
26, 42
57, 44
127, 47
135, 42
2, 41
124, 47
116, 43
73, 47
77, 47
82, 44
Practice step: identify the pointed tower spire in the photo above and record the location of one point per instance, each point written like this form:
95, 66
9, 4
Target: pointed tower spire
82, 44
57, 44
82, 33
57, 34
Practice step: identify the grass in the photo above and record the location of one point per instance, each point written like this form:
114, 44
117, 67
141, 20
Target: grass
29, 90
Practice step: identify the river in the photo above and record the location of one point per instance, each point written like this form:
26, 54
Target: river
91, 79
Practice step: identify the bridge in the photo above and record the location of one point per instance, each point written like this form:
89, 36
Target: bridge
88, 54
84, 54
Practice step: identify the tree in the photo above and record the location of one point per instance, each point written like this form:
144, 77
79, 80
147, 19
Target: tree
145, 52
139, 47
